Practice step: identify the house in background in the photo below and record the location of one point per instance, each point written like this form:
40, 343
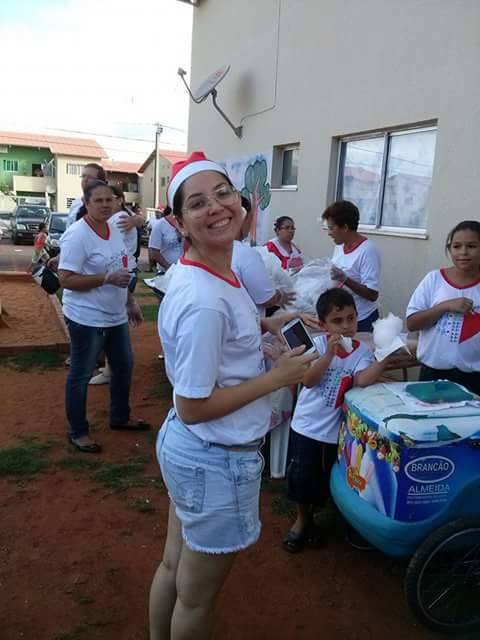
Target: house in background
147, 176
44, 166
125, 176
377, 102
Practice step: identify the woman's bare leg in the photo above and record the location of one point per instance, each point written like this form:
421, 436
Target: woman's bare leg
200, 576
163, 592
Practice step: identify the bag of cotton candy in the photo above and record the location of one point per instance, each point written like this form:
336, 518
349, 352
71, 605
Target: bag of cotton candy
309, 284
386, 336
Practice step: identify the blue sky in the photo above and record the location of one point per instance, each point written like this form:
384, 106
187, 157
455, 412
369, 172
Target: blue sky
102, 66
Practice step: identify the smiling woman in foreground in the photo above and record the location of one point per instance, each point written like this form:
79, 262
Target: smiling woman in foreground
208, 447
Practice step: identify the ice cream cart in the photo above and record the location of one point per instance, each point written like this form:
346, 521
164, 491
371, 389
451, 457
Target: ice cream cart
408, 480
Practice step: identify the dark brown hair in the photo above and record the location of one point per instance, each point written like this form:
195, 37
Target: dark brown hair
343, 213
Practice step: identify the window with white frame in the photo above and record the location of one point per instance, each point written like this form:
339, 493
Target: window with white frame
285, 166
388, 175
73, 169
10, 165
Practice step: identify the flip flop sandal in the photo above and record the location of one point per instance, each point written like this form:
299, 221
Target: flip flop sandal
93, 447
133, 425
294, 542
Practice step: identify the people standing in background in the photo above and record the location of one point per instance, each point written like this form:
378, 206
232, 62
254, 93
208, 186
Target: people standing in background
283, 246
40, 253
445, 309
165, 245
126, 222
356, 260
98, 307
90, 173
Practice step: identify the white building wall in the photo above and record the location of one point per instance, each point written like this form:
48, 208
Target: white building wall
344, 67
68, 186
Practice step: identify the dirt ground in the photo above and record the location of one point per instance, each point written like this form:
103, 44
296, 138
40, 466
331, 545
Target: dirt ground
80, 537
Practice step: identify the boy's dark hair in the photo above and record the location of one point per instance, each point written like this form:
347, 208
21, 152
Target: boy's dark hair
42, 226
333, 299
465, 225
343, 213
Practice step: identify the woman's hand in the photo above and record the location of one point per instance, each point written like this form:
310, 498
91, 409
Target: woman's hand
135, 315
286, 297
53, 263
337, 274
459, 305
127, 223
291, 367
119, 278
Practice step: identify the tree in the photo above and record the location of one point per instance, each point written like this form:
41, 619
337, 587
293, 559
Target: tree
257, 190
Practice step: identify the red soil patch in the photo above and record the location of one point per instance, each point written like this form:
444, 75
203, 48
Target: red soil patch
33, 319
76, 560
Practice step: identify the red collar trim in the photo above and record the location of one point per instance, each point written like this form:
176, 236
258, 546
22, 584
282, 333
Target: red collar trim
443, 272
355, 246
235, 282
107, 237
341, 353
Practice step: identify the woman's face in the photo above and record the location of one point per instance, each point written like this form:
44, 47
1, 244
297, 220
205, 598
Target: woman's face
100, 204
336, 233
211, 211
286, 232
465, 251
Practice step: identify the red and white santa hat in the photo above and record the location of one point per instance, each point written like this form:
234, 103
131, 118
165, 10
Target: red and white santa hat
184, 169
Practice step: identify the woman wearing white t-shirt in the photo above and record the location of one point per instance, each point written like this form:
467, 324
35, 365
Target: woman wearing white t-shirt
283, 246
165, 245
356, 260
208, 447
445, 309
97, 306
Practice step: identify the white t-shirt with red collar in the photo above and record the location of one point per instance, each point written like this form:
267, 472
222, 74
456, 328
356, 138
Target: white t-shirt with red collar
250, 268
293, 260
83, 251
362, 263
210, 332
318, 412
454, 340
166, 238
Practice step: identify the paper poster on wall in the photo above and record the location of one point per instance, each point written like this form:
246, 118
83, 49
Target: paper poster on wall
251, 175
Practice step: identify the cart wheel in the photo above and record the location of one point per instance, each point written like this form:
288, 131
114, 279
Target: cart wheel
442, 583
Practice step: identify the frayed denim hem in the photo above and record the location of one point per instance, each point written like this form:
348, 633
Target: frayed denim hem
217, 551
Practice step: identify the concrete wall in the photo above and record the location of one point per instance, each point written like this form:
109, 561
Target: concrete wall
315, 70
146, 182
68, 186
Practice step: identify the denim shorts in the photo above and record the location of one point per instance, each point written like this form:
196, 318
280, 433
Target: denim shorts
215, 489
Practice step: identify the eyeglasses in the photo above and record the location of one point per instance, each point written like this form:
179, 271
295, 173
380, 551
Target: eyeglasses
225, 195
288, 228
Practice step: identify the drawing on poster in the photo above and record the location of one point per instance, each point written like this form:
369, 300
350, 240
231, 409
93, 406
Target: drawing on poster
251, 176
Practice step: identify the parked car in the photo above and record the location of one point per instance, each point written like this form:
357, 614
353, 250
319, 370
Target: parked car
5, 223
25, 221
56, 225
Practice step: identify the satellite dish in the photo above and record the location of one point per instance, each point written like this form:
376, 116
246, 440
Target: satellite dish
206, 88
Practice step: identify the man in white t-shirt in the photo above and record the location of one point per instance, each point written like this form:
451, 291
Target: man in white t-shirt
90, 172
356, 260
318, 413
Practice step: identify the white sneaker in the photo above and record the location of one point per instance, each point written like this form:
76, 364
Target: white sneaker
101, 378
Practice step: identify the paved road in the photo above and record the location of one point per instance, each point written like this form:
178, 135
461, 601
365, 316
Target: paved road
18, 257
15, 257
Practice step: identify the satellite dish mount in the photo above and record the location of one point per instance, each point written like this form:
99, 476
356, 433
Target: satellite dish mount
208, 88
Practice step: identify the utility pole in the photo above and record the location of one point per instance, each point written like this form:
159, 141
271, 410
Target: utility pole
156, 179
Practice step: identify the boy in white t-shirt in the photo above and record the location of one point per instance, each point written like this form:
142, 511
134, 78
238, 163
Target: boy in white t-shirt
318, 413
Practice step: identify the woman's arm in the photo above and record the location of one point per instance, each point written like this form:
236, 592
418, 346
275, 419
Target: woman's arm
78, 282
361, 290
290, 369
156, 256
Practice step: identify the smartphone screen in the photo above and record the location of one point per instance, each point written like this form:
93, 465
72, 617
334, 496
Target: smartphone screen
296, 335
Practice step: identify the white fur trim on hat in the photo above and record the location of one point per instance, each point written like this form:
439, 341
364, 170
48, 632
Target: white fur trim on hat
188, 171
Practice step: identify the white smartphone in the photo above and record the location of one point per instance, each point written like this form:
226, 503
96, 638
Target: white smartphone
295, 334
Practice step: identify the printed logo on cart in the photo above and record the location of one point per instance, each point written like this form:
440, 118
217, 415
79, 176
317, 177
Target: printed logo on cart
430, 469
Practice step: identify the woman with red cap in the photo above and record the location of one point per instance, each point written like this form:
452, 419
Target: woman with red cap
208, 447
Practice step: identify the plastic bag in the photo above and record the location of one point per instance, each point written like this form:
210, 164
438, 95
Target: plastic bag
309, 284
161, 281
281, 279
